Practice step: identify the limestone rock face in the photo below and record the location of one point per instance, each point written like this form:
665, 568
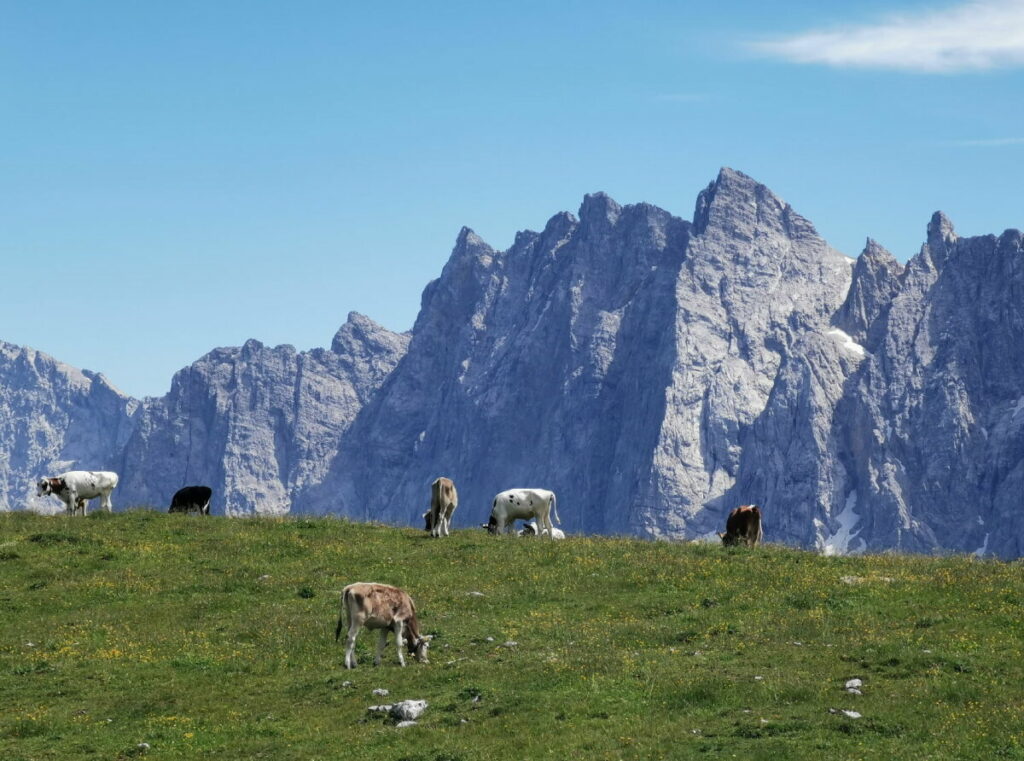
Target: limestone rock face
615, 358
934, 418
257, 424
54, 418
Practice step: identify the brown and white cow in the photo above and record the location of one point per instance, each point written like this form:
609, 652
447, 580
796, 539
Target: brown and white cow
443, 501
385, 608
743, 526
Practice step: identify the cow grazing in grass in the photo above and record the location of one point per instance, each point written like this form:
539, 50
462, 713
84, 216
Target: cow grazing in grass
522, 504
76, 487
743, 526
530, 529
191, 499
385, 608
443, 501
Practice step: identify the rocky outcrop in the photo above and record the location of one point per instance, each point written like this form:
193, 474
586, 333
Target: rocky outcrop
54, 417
257, 424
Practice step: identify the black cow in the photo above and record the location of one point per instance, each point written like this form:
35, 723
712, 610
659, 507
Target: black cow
190, 498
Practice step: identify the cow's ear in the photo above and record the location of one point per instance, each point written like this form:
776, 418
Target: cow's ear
721, 535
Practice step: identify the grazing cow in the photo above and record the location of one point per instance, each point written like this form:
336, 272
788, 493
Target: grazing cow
522, 504
743, 526
76, 487
530, 529
379, 606
443, 501
189, 498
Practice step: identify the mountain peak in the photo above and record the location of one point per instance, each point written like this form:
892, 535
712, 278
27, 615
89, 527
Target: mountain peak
941, 238
731, 192
599, 208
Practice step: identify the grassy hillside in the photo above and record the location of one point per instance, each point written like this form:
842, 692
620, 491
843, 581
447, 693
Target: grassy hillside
213, 638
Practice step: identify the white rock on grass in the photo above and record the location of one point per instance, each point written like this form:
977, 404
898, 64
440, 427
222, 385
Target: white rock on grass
404, 724
408, 710
854, 683
381, 692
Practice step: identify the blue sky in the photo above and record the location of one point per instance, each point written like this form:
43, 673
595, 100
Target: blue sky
180, 176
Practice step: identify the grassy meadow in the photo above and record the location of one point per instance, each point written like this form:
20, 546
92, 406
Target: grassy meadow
214, 638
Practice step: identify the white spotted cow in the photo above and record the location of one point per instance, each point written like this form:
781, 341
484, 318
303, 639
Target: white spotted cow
522, 504
76, 487
385, 608
443, 501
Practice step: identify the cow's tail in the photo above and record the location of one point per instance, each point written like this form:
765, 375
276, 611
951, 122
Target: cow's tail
342, 615
760, 524
554, 508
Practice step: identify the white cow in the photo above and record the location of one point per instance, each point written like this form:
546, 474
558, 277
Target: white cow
530, 529
385, 608
522, 504
76, 487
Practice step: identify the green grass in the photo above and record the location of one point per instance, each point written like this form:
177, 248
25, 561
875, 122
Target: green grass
159, 629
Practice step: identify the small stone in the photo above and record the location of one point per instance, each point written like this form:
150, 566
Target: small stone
347, 683
404, 724
463, 721
694, 731
764, 721
758, 678
264, 577
381, 692
854, 691
30, 644
799, 644
851, 714
854, 683
142, 747
476, 594
510, 643
488, 639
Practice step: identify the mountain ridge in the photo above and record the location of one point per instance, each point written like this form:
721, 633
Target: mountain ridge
653, 371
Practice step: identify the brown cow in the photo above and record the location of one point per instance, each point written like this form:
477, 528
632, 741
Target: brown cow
443, 501
382, 607
743, 526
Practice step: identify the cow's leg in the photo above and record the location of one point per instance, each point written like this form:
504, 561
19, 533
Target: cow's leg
107, 503
445, 520
398, 627
382, 641
545, 520
350, 645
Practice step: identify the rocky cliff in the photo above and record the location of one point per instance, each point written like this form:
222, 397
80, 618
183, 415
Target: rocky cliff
52, 418
653, 371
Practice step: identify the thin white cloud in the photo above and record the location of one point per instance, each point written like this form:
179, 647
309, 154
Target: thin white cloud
969, 36
992, 142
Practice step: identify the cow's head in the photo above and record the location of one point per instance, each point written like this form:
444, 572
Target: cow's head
419, 647
48, 486
491, 525
529, 529
426, 519
729, 539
